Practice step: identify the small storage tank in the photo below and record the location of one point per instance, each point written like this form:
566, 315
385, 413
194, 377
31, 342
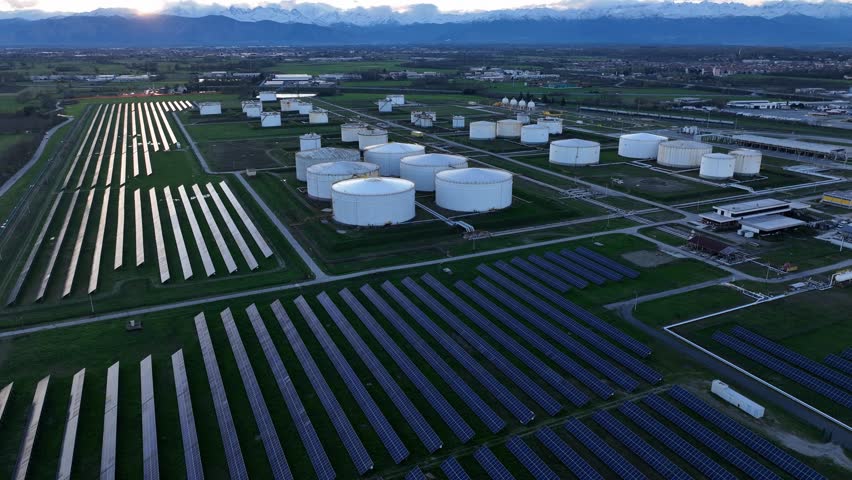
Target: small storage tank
508, 128
513, 103
386, 105
458, 121
421, 169
575, 152
318, 116
641, 146
413, 115
473, 189
310, 141
432, 115
505, 101
717, 166
746, 161
270, 119
397, 99
522, 104
737, 399
268, 96
349, 131
305, 108
388, 155
423, 121
371, 136
252, 109
289, 105
322, 176
372, 202
524, 118
534, 134
681, 153
554, 124
483, 130
323, 155
531, 105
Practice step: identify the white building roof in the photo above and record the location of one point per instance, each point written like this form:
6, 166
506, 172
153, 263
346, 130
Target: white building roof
792, 144
770, 223
752, 205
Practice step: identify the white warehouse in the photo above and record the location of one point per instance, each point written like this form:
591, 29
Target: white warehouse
323, 155
322, 176
737, 399
421, 169
641, 146
372, 202
388, 155
473, 189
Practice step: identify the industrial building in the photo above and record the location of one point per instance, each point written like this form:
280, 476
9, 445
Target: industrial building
838, 198
373, 201
322, 176
793, 147
421, 169
755, 217
473, 189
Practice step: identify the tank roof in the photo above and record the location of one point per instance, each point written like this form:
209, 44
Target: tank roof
395, 147
575, 142
373, 186
434, 160
342, 168
474, 175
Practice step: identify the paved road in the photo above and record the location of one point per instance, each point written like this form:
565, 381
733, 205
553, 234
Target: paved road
32, 161
668, 293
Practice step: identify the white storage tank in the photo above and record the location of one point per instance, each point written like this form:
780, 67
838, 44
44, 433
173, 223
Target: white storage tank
473, 189
421, 169
368, 137
552, 123
746, 161
397, 99
372, 202
458, 121
270, 119
388, 155
505, 101
310, 141
483, 130
522, 104
414, 114
432, 115
575, 152
508, 128
642, 146
531, 105
349, 131
423, 121
534, 134
209, 108
386, 105
252, 109
318, 116
268, 96
737, 399
322, 176
323, 155
513, 103
305, 108
289, 105
524, 118
681, 153
717, 166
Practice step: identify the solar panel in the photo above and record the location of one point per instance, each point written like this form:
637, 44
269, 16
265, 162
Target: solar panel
607, 262
99, 244
541, 275
255, 233
341, 423
492, 466
4, 398
66, 455
232, 227
118, 259
162, 260
146, 154
453, 470
590, 319
113, 149
122, 174
140, 236
794, 358
524, 382
415, 474
521, 412
298, 414
839, 363
191, 452
150, 453
149, 115
83, 144
530, 460
28, 441
110, 424
183, 254
166, 123
570, 458
54, 254
447, 412
607, 273
564, 275
409, 412
638, 446
758, 444
233, 453
101, 153
214, 229
36, 248
847, 354
471, 398
134, 147
606, 454
209, 269
575, 268
374, 415
78, 245
159, 119
98, 132
797, 375
675, 442
713, 442
564, 361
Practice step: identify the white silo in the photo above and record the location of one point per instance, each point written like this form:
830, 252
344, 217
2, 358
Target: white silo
473, 189
349, 131
483, 130
640, 145
522, 104
268, 96
305, 108
508, 128
318, 116
270, 119
388, 155
323, 155
717, 166
531, 105
397, 99
505, 101
458, 121
310, 141
385, 105
423, 121
513, 103
552, 123
681, 153
372, 202
523, 117
421, 169
575, 151
534, 134
746, 161
368, 137
322, 176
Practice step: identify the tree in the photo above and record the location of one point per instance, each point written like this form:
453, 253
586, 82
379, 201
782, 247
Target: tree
562, 102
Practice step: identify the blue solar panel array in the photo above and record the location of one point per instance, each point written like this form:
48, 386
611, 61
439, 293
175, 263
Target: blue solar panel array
758, 444
564, 361
555, 380
453, 470
847, 354
517, 408
839, 363
639, 447
797, 375
449, 414
530, 460
495, 469
606, 262
415, 474
570, 458
575, 268
541, 275
564, 275
608, 273
695, 457
606, 454
794, 358
390, 439
462, 389
409, 412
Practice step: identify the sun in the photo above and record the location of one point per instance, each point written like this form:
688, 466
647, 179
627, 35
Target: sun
147, 7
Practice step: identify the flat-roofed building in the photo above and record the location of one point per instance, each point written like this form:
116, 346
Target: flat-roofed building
838, 198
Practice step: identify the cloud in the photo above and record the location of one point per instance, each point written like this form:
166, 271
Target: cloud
19, 4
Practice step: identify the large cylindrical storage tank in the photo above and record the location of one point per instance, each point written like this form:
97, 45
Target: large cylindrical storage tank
458, 121
323, 155
368, 137
318, 117
421, 169
372, 202
305, 108
554, 124
388, 155
483, 130
534, 134
349, 131
322, 176
473, 189
641, 146
575, 152
524, 118
681, 153
508, 128
717, 166
746, 161
310, 141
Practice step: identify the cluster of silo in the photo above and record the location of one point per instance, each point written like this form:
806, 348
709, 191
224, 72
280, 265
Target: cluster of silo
369, 136
717, 166
388, 155
483, 130
575, 152
373, 201
322, 176
681, 153
310, 141
349, 131
473, 189
640, 146
421, 169
323, 155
